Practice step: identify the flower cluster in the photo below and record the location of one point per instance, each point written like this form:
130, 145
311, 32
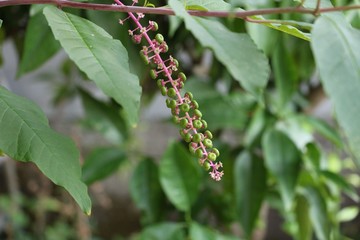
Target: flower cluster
185, 109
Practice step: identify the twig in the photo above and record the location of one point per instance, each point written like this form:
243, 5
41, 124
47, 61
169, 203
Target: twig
168, 11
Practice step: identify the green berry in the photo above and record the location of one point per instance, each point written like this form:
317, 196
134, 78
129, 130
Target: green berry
197, 138
172, 104
189, 95
208, 143
182, 133
182, 76
171, 92
187, 137
216, 151
153, 74
197, 113
205, 125
165, 47
184, 122
155, 26
208, 134
176, 62
144, 58
195, 104
159, 38
197, 124
163, 90
207, 166
175, 119
185, 107
212, 156
159, 83
191, 149
199, 153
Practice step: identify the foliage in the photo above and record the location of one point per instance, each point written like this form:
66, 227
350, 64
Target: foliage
253, 81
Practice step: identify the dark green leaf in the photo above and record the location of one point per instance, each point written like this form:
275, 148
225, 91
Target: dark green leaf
250, 187
283, 160
40, 44
285, 73
102, 58
101, 163
255, 127
146, 191
303, 218
26, 136
336, 47
179, 176
236, 51
164, 231
318, 213
104, 117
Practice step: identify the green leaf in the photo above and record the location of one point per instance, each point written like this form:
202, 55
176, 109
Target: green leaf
214, 5
26, 136
287, 27
101, 163
40, 44
104, 117
146, 191
221, 111
164, 231
347, 214
336, 47
318, 213
256, 126
200, 232
236, 51
102, 58
1, 21
283, 160
303, 218
250, 188
179, 176
285, 73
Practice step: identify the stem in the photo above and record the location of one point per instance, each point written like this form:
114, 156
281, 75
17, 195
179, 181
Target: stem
167, 11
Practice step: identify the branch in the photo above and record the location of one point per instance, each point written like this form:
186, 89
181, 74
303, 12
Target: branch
167, 11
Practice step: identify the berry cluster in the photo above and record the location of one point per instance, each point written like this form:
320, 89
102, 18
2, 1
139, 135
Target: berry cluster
185, 109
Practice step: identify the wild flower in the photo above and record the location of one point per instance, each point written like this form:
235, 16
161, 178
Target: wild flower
170, 80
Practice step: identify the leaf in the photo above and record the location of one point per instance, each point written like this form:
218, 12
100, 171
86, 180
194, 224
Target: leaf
347, 214
101, 163
26, 136
283, 160
164, 231
200, 232
102, 58
104, 117
40, 45
236, 51
1, 21
288, 28
285, 73
255, 127
336, 47
303, 218
179, 176
146, 191
215, 5
221, 111
250, 187
318, 210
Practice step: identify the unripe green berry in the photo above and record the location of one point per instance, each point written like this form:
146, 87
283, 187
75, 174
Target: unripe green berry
155, 26
159, 38
197, 124
184, 122
153, 74
182, 133
165, 47
205, 125
182, 76
185, 107
197, 113
171, 92
208, 143
175, 119
191, 149
196, 138
159, 83
176, 62
208, 134
172, 104
199, 153
195, 104
216, 151
187, 137
163, 90
189, 95
144, 58
207, 166
212, 156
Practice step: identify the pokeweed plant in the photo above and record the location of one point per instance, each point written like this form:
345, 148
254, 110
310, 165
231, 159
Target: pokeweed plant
278, 161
